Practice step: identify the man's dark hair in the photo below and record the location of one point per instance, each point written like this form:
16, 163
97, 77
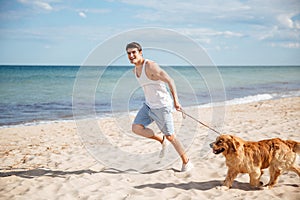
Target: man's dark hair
134, 45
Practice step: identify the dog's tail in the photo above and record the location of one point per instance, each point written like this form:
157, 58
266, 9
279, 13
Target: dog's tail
294, 145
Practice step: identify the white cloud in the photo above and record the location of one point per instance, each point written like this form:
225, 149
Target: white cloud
38, 4
264, 33
82, 14
279, 37
195, 11
43, 5
292, 45
231, 12
286, 20
97, 11
297, 24
209, 32
180, 6
289, 45
284, 30
275, 18
206, 35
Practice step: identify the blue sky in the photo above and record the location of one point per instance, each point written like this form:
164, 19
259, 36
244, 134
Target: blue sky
244, 32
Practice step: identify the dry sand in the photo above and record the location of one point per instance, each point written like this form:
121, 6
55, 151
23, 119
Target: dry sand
50, 161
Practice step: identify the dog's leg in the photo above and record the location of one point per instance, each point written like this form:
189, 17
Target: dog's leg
255, 177
274, 174
295, 169
261, 173
231, 175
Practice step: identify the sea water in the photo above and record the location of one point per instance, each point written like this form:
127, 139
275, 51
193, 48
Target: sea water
36, 94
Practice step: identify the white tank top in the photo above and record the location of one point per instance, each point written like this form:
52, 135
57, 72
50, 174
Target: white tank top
156, 93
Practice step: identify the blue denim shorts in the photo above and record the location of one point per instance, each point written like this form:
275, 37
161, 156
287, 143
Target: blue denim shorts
162, 117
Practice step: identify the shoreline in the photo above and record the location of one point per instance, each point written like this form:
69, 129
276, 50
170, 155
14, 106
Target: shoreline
49, 161
235, 101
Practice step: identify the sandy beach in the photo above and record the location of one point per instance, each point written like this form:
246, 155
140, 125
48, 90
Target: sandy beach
51, 161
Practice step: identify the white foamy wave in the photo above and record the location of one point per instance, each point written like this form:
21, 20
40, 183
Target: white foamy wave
262, 97
250, 99
253, 98
36, 123
291, 94
243, 100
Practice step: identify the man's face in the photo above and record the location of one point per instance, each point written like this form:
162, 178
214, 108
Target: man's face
134, 55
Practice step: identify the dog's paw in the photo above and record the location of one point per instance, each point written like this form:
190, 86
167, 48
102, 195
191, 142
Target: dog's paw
267, 187
222, 188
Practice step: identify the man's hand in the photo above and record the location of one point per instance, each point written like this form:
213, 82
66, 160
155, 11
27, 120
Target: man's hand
177, 106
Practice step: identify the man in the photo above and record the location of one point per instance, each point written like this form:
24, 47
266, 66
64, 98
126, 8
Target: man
158, 103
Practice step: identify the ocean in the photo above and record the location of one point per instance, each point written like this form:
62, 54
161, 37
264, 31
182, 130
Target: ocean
42, 94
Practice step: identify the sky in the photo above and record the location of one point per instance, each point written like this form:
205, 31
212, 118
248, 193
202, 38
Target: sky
232, 32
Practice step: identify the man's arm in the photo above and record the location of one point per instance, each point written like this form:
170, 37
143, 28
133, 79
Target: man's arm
157, 73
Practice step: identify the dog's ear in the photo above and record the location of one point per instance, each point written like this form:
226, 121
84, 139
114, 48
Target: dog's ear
235, 144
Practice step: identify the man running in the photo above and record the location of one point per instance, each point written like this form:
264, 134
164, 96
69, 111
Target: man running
158, 105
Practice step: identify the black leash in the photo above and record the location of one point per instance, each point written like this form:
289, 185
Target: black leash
185, 114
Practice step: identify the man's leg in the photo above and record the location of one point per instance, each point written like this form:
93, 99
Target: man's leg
139, 129
178, 146
141, 121
164, 120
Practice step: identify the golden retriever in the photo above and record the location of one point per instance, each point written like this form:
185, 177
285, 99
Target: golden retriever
251, 157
